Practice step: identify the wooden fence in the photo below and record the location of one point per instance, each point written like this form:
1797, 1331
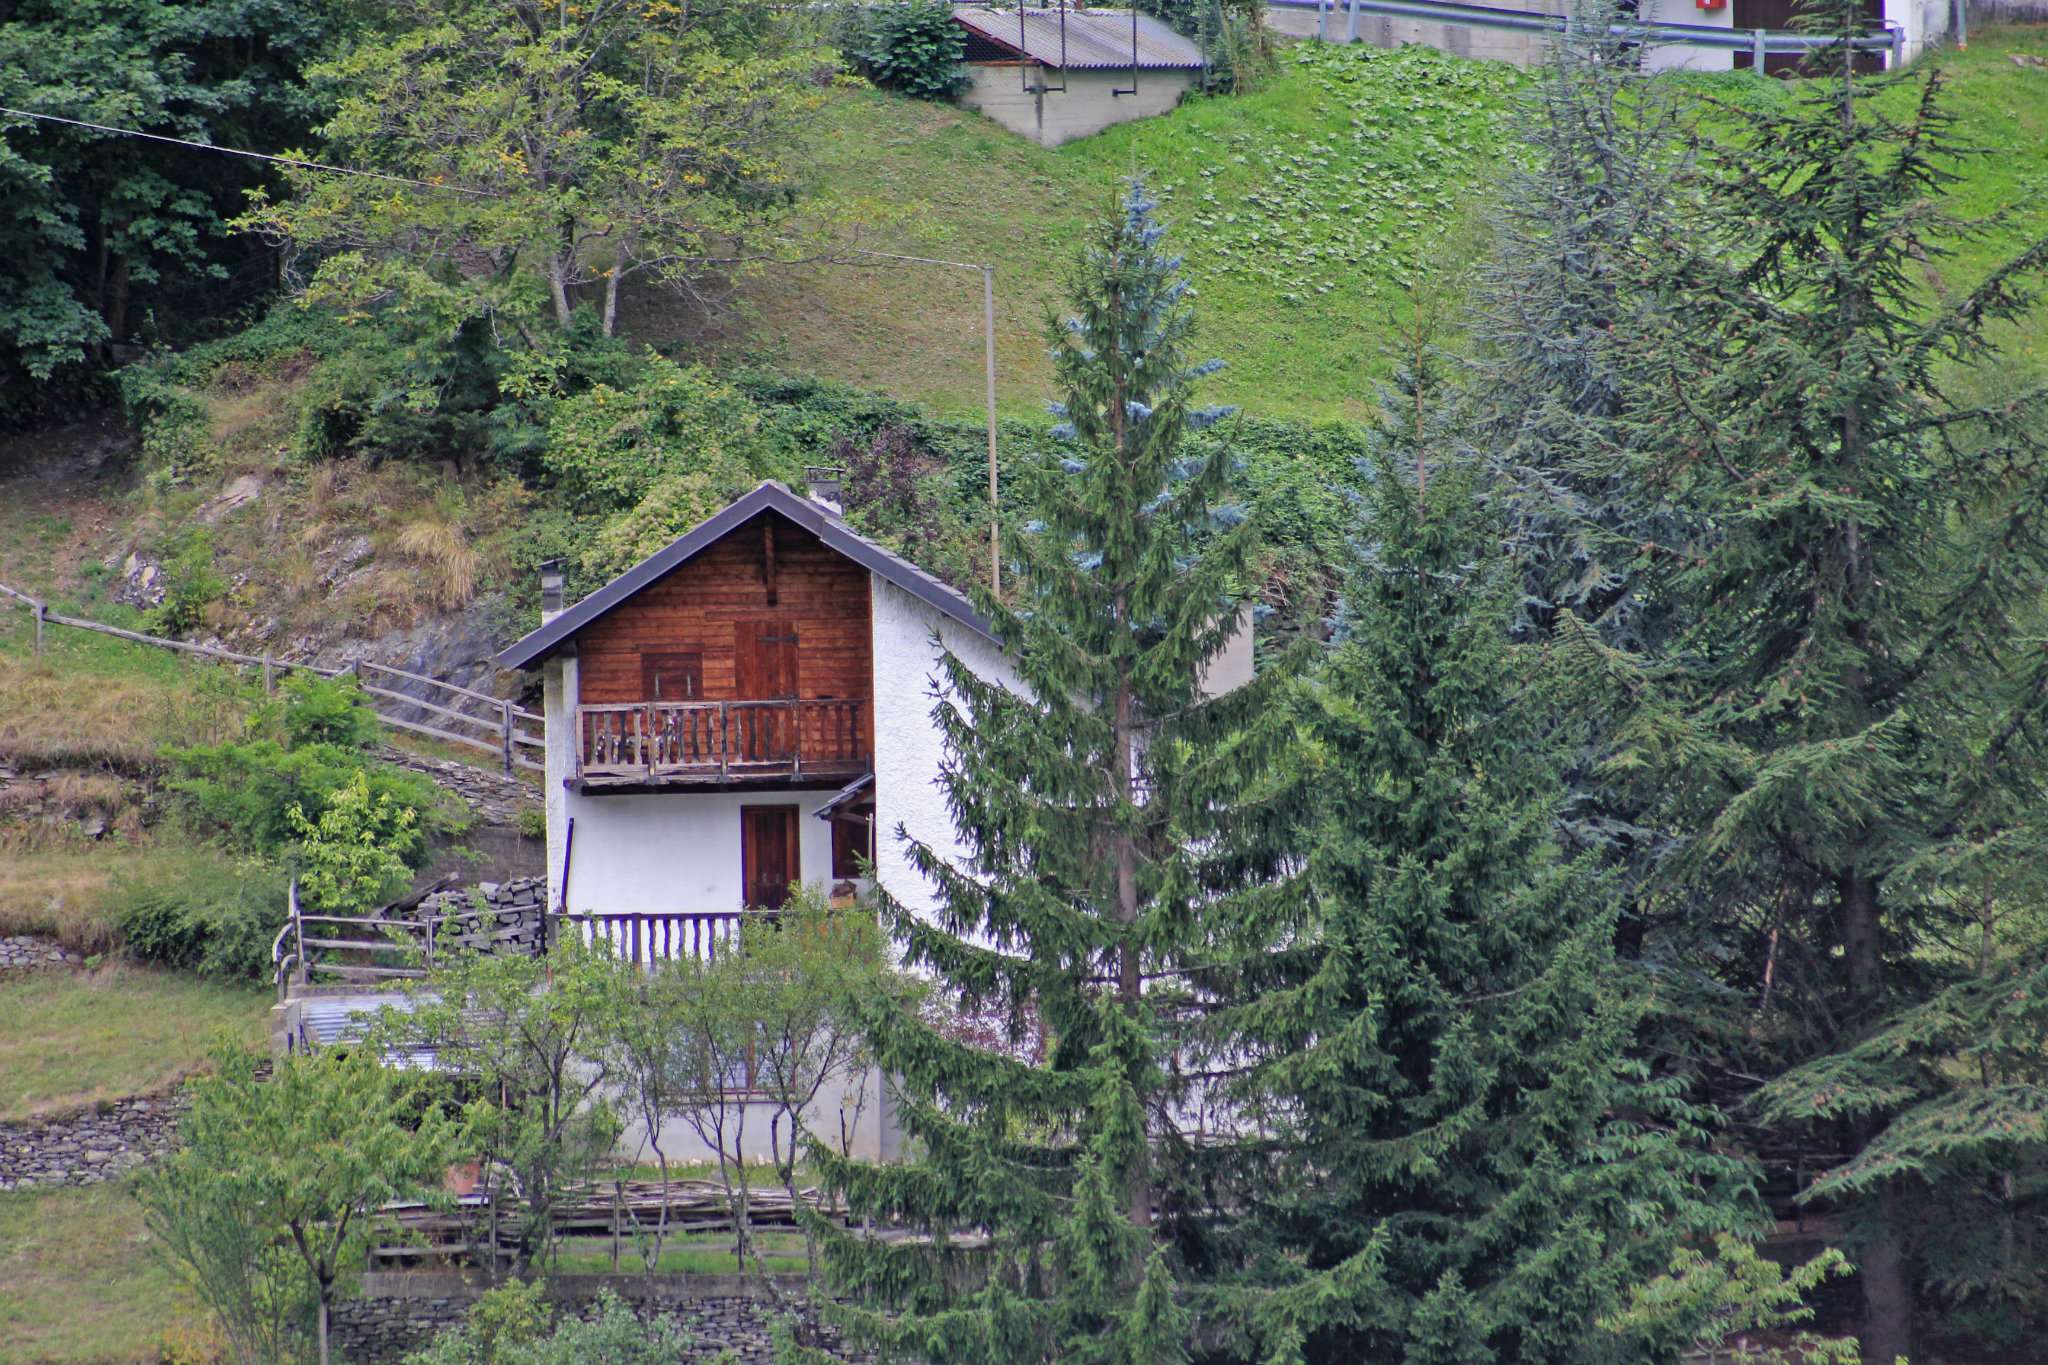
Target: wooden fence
466, 717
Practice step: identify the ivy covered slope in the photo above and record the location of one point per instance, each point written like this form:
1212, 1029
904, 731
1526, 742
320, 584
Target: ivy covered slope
1299, 206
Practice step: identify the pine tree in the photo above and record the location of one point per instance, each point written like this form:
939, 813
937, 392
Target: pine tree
1850, 727
1112, 816
1462, 1163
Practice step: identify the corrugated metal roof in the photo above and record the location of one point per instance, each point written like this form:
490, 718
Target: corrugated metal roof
1095, 38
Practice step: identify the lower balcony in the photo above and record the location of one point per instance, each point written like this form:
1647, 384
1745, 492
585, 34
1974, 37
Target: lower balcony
723, 743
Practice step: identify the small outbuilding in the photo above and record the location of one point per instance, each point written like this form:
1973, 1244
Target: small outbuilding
1055, 74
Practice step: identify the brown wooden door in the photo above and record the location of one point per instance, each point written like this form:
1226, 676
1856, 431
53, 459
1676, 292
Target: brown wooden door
768, 855
764, 669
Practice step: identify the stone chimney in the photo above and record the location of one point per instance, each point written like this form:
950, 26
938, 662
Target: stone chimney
550, 590
822, 483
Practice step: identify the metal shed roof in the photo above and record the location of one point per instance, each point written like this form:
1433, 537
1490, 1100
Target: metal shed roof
1095, 38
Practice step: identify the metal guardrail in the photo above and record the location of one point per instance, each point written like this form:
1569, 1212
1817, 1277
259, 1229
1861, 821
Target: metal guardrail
1758, 42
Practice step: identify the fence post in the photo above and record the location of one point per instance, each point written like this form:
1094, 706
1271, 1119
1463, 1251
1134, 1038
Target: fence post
269, 676
1898, 46
1351, 28
40, 612
505, 733
1322, 21
298, 931
1756, 50
1962, 24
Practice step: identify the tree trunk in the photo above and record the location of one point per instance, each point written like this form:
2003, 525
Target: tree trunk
1887, 1289
558, 288
611, 290
326, 1293
1862, 927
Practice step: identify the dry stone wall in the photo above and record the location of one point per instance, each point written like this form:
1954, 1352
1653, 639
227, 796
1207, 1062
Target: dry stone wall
398, 1313
85, 1148
26, 953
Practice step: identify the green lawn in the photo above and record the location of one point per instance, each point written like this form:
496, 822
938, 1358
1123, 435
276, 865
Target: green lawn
70, 1038
1298, 208
78, 1283
782, 1253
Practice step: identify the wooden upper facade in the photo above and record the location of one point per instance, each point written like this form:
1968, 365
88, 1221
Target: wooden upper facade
739, 655
752, 661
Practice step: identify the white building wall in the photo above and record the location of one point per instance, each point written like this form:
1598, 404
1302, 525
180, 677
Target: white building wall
849, 1111
908, 749
1085, 107
1679, 56
678, 850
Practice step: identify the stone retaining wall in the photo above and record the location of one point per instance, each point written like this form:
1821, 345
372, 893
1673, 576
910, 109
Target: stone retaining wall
397, 1313
496, 798
82, 1149
503, 917
26, 953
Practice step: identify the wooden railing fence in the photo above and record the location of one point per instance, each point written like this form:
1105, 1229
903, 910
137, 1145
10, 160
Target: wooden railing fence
467, 717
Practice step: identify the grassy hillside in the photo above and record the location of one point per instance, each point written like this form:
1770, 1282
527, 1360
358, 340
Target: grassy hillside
1297, 208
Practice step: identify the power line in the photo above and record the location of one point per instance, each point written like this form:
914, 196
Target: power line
253, 156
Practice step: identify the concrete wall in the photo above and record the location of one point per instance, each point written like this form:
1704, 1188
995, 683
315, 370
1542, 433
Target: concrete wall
908, 750
1085, 107
1926, 23
851, 1113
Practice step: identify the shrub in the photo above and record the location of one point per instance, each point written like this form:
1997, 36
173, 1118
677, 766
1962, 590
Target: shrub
207, 915
914, 47
317, 710
609, 448
243, 792
508, 1326
353, 858
191, 584
670, 508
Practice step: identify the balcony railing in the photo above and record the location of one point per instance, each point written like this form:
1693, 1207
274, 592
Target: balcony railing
721, 741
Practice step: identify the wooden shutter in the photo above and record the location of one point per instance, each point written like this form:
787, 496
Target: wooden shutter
768, 855
764, 669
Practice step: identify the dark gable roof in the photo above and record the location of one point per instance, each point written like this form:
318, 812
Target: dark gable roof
769, 497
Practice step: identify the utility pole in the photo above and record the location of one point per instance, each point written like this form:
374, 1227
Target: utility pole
988, 333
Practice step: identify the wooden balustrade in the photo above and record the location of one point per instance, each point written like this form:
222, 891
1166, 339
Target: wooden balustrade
716, 741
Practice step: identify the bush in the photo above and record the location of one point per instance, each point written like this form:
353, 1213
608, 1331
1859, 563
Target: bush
914, 47
243, 792
317, 710
507, 1326
191, 584
353, 858
209, 915
609, 448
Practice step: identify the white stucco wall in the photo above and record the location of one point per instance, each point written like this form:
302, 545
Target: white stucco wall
857, 1102
1085, 107
678, 850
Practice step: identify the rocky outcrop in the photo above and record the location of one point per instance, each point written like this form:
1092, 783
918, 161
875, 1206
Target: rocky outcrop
398, 1313
85, 1148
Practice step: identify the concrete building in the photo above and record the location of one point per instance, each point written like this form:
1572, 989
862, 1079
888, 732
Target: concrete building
1923, 23
1057, 74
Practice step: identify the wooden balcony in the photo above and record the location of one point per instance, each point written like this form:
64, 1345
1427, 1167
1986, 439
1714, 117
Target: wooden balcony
722, 743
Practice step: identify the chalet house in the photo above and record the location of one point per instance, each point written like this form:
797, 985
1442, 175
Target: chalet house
1055, 74
742, 712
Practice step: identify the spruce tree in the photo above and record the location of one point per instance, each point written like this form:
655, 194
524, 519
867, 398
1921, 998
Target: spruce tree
1850, 726
1458, 1158
1548, 391
1111, 816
